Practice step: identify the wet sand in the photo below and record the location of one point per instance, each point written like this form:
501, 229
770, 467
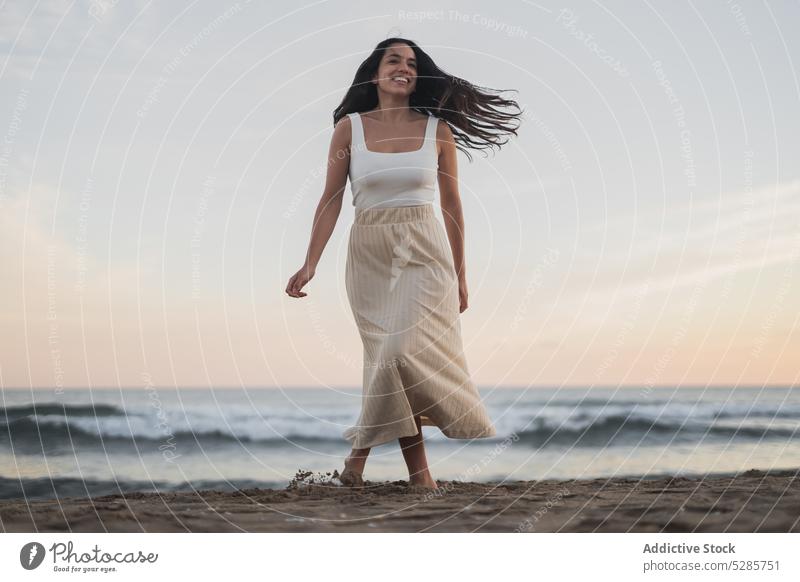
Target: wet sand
753, 501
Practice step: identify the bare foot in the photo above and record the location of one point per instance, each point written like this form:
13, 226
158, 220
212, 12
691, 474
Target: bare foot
351, 475
423, 481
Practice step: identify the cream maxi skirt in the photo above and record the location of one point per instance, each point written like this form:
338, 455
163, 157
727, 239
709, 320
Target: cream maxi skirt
403, 292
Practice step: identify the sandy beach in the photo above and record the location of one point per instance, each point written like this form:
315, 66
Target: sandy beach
752, 501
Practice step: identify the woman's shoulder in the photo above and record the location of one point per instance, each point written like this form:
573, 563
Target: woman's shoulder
343, 132
343, 127
440, 121
345, 119
442, 127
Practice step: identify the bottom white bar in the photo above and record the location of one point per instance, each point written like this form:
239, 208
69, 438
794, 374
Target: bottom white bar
391, 556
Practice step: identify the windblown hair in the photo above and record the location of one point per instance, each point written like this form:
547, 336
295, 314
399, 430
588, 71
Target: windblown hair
474, 113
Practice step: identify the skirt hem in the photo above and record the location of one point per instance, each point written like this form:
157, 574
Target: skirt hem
382, 439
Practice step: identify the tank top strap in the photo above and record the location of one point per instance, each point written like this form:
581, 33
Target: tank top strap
357, 131
430, 131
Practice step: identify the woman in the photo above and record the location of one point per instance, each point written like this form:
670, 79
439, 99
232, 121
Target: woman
405, 286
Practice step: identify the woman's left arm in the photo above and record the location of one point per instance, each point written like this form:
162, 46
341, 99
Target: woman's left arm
451, 206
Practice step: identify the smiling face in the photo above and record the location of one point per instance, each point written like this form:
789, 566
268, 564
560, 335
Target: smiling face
397, 72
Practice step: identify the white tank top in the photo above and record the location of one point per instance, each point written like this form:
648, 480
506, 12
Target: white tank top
385, 179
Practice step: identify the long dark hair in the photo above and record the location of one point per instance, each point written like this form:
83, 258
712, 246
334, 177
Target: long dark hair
473, 113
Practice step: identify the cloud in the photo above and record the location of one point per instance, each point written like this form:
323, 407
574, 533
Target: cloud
742, 232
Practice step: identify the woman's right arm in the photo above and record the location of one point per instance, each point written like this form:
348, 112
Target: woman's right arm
328, 208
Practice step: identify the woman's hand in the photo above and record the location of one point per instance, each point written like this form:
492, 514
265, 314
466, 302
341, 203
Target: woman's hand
462, 294
298, 281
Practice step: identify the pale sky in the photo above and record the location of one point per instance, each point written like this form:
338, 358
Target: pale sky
161, 163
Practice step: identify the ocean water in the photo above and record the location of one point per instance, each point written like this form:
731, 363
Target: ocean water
103, 441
